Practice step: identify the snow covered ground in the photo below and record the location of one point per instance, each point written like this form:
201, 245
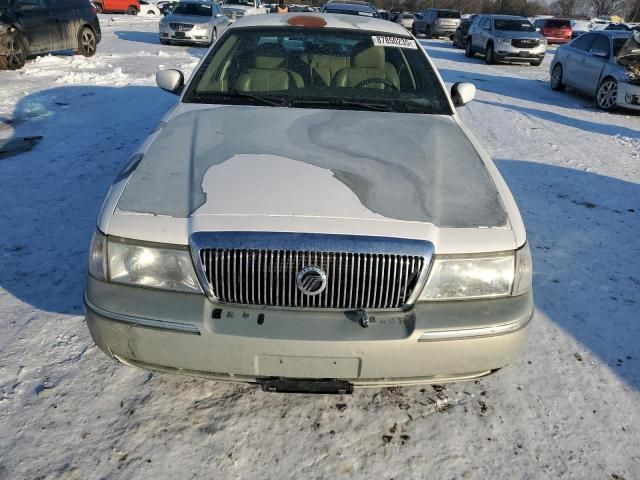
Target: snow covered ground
569, 408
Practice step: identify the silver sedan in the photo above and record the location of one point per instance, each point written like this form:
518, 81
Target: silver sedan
602, 64
193, 22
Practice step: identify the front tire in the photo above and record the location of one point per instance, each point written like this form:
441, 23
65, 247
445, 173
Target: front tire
16, 52
536, 63
427, 33
467, 49
132, 10
165, 42
607, 94
556, 78
489, 55
87, 42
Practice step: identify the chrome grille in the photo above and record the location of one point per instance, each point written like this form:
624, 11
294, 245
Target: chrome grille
524, 43
355, 279
181, 27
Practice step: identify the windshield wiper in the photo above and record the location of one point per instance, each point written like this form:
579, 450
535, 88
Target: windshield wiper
334, 102
264, 99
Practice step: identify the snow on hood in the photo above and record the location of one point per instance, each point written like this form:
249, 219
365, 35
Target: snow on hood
246, 160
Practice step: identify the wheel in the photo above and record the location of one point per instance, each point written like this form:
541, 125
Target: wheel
98, 7
132, 10
214, 37
489, 55
467, 48
151, 12
427, 32
536, 63
607, 93
165, 42
413, 31
15, 52
86, 42
556, 78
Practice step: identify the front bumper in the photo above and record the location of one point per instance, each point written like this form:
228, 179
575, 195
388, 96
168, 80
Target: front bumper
628, 96
189, 334
191, 36
508, 53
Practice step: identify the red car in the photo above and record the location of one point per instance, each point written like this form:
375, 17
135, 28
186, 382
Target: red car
130, 7
555, 30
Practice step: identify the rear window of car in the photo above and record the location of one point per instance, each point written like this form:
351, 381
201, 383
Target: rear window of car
364, 11
617, 45
447, 14
558, 23
408, 15
584, 42
319, 68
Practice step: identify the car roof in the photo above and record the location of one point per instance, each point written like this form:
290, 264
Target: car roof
613, 33
333, 20
506, 17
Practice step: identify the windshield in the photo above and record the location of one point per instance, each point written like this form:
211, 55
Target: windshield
355, 10
513, 25
319, 68
198, 9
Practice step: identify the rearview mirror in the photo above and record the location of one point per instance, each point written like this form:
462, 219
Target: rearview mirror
170, 80
462, 93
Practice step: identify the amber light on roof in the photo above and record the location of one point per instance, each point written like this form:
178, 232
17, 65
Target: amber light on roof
307, 21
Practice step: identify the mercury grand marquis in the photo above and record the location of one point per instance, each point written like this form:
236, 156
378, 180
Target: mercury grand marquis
311, 215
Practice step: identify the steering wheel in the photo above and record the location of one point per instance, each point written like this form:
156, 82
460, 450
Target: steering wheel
383, 81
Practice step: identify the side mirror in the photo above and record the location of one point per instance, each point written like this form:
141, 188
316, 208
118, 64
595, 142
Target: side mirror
462, 93
170, 80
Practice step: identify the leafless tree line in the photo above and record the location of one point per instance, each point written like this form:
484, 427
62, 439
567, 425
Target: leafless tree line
629, 9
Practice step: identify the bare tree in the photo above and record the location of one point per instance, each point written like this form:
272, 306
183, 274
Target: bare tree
604, 8
564, 8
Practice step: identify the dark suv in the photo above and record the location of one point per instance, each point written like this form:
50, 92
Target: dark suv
31, 27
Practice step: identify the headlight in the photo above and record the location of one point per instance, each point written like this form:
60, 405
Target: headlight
122, 261
202, 26
98, 256
543, 41
455, 277
503, 40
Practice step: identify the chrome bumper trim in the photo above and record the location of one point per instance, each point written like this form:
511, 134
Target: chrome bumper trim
464, 334
164, 325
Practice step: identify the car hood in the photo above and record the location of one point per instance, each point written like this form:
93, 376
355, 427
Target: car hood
196, 19
272, 161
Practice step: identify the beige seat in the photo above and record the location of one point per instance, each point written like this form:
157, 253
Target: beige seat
326, 66
268, 73
367, 63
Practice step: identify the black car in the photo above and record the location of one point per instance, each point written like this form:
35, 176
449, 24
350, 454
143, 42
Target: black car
460, 35
350, 7
31, 27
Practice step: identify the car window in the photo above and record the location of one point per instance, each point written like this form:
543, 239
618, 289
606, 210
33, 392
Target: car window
484, 23
512, 25
617, 45
584, 42
198, 9
601, 44
447, 14
326, 68
554, 23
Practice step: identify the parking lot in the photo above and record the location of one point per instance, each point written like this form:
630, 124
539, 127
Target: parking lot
568, 408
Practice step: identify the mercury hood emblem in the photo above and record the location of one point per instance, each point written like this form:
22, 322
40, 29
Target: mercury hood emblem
311, 280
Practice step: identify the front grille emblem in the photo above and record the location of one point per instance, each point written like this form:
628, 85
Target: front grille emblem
311, 280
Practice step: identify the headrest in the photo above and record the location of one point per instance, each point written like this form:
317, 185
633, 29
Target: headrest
369, 57
269, 55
